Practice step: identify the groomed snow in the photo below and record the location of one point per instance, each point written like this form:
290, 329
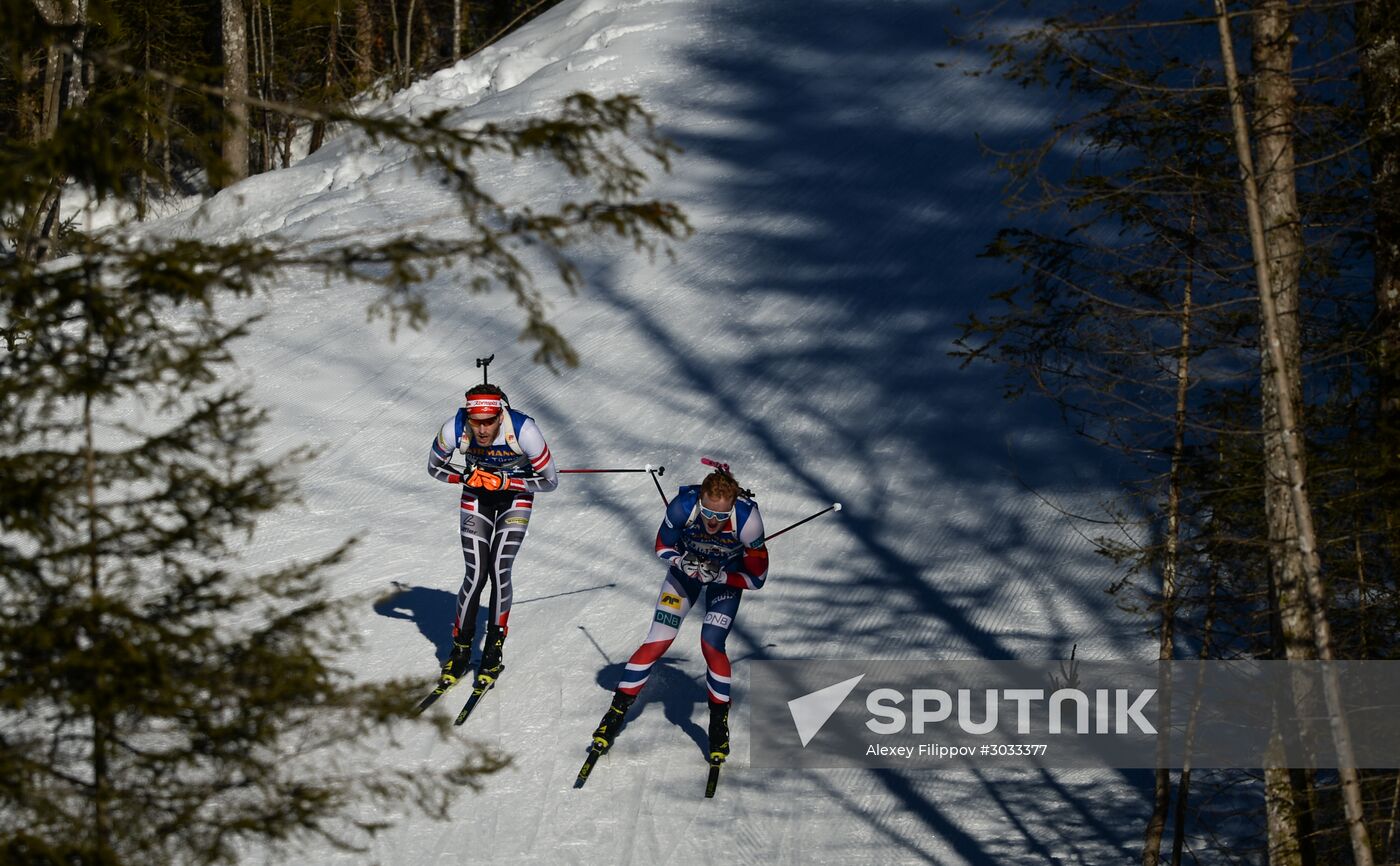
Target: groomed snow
839, 201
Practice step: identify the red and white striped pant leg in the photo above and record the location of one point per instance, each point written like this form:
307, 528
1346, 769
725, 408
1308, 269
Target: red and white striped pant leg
672, 604
721, 609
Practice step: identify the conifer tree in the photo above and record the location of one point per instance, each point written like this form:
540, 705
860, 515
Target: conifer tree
1137, 175
160, 699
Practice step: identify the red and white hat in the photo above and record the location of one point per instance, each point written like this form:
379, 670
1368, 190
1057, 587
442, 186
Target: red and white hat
483, 406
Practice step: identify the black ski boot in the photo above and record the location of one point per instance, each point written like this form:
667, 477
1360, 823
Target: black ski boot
612, 721
719, 732
460, 662
491, 664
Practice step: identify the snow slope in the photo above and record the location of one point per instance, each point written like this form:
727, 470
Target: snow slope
839, 199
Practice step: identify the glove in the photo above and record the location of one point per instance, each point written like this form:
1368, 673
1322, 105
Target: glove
483, 479
689, 564
697, 568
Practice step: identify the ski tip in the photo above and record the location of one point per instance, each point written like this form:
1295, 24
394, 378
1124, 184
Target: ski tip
836, 506
712, 781
587, 769
646, 468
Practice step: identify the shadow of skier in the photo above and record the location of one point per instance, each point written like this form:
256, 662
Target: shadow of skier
429, 609
676, 691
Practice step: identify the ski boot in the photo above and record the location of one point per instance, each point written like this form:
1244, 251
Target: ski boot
491, 663
460, 661
612, 721
719, 732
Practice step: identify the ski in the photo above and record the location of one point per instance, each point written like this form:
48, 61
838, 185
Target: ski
482, 686
431, 698
594, 753
713, 781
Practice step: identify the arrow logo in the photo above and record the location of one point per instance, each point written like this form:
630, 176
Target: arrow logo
811, 711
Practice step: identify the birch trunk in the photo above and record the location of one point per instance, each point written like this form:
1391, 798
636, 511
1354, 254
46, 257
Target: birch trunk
1281, 369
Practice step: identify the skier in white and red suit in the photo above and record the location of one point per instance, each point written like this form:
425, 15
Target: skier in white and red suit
508, 462
712, 539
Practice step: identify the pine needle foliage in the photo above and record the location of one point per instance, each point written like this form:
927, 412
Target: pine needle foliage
161, 699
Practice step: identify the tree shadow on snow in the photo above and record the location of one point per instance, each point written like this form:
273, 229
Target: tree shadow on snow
847, 202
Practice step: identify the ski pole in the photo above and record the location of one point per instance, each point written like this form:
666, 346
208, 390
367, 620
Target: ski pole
653, 475
835, 506
659, 471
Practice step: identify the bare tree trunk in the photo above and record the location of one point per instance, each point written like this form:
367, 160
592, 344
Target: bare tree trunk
456, 30
167, 169
34, 226
76, 97
29, 104
278, 129
1282, 365
257, 144
1280, 809
144, 179
428, 48
1378, 31
1283, 249
64, 87
408, 70
52, 97
1356, 455
1183, 785
1394, 816
364, 45
318, 127
399, 73
1162, 779
1289, 793
235, 54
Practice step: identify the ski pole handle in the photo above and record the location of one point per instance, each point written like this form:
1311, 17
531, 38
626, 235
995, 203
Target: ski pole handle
835, 506
464, 471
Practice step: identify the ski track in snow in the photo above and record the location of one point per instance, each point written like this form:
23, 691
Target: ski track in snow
839, 202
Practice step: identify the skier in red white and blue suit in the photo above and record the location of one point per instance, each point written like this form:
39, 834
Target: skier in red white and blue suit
712, 541
508, 462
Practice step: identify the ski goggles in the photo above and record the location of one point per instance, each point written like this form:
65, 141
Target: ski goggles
710, 514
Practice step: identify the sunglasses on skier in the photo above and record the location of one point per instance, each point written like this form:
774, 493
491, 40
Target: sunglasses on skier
710, 514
